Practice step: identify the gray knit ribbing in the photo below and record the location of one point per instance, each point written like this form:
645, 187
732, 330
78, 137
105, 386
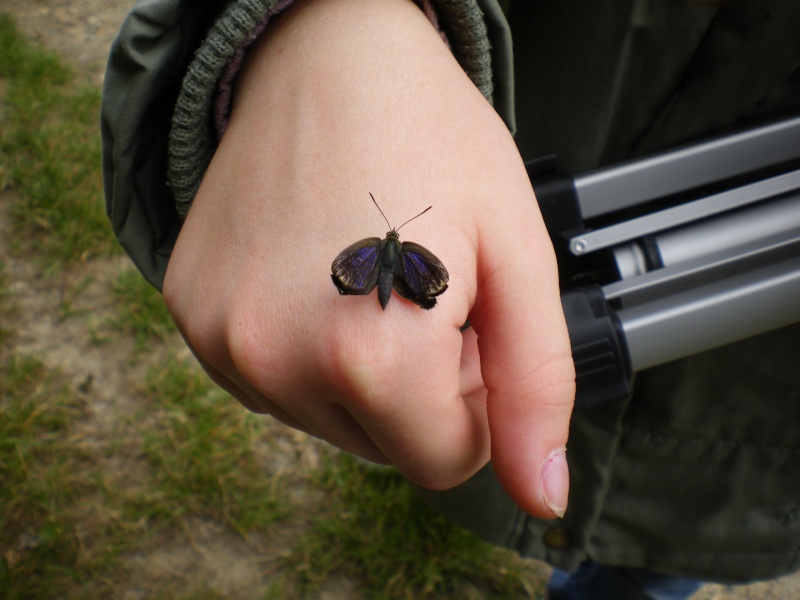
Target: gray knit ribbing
191, 139
465, 27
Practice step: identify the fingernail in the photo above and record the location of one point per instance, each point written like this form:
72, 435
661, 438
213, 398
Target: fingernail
555, 481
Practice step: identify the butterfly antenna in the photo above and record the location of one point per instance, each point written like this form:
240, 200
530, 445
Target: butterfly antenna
379, 208
412, 218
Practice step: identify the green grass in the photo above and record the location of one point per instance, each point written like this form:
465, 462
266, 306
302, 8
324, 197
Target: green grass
42, 479
7, 307
378, 531
202, 447
50, 154
66, 519
140, 309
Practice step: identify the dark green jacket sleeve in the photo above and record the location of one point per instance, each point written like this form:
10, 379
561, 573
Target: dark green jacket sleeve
147, 62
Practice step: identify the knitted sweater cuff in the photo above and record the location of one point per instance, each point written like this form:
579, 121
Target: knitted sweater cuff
203, 105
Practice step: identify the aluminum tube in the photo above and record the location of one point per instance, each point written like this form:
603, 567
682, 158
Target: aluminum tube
613, 188
719, 313
728, 234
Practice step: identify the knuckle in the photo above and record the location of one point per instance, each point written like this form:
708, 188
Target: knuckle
548, 385
245, 344
359, 367
553, 380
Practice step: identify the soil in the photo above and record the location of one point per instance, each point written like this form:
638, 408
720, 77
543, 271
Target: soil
82, 31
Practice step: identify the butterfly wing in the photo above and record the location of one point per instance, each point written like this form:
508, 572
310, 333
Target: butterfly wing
355, 270
420, 276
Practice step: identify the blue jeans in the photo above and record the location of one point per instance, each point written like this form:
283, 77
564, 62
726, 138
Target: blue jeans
596, 582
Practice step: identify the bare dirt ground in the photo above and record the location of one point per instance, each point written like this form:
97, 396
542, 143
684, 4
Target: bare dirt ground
82, 31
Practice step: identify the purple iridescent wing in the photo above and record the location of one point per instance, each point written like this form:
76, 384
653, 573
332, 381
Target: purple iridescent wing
355, 270
420, 276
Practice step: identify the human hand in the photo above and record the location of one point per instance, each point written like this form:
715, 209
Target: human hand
338, 99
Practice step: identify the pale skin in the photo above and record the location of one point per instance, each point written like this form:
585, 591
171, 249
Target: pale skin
337, 99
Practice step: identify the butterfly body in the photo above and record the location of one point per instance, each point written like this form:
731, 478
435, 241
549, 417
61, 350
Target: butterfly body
390, 251
408, 268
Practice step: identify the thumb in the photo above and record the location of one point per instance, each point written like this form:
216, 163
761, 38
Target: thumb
526, 361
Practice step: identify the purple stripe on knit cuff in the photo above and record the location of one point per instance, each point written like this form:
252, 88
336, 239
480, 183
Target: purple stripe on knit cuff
224, 95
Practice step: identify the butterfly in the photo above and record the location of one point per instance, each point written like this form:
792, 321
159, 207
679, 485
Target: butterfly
414, 272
